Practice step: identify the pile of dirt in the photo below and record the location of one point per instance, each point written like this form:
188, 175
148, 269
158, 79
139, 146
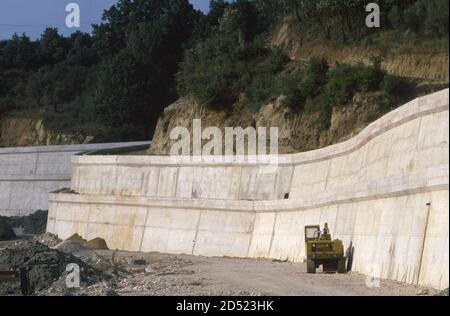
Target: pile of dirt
33, 224
78, 238
71, 246
93, 244
6, 231
97, 244
44, 266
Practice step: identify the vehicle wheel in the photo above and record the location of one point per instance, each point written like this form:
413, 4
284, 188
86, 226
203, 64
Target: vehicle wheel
341, 266
310, 266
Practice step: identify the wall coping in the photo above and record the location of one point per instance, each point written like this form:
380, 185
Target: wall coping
423, 106
35, 177
66, 148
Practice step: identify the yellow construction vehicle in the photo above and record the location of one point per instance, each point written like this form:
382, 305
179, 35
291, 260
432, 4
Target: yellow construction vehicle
321, 250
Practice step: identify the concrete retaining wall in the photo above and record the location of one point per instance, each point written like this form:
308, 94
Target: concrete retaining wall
28, 174
166, 178
384, 193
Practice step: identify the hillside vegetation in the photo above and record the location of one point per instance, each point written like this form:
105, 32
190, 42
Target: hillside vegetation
115, 83
112, 84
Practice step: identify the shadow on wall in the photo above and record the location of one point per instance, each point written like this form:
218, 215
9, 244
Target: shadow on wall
349, 255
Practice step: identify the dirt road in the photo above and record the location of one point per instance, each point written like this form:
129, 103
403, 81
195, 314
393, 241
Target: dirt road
188, 275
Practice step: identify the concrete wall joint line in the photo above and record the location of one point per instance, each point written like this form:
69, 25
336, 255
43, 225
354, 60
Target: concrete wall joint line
36, 164
144, 230
273, 234
176, 182
251, 235
194, 242
328, 174
425, 235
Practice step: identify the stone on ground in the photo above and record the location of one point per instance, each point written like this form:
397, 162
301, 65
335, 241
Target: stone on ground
71, 246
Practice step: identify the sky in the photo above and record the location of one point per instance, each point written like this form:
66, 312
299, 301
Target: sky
33, 16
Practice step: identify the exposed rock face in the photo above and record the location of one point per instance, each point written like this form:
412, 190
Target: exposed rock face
18, 132
183, 112
297, 131
424, 61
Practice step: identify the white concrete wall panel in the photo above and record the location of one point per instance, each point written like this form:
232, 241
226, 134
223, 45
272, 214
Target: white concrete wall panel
28, 174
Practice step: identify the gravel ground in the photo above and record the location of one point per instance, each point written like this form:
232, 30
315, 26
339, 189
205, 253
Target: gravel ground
188, 275
155, 274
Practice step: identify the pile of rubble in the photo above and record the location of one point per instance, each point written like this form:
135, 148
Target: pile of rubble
46, 260
48, 239
42, 264
93, 244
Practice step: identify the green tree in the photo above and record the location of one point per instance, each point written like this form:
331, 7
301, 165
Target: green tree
81, 50
437, 17
52, 46
138, 81
19, 52
216, 11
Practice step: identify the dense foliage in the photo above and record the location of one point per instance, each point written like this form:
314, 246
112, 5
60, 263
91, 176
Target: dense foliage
233, 64
146, 53
119, 78
345, 19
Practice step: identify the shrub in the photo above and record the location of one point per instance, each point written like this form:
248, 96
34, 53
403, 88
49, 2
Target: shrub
345, 80
260, 89
318, 69
396, 88
370, 77
395, 17
415, 16
290, 87
342, 84
275, 61
261, 83
325, 112
437, 17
